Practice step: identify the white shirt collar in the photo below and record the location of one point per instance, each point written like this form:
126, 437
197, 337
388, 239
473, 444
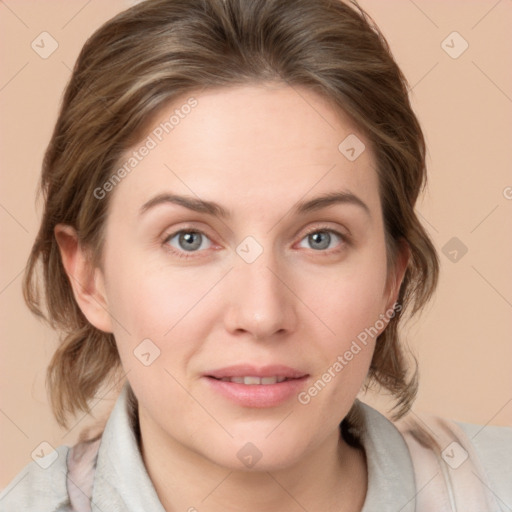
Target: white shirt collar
121, 482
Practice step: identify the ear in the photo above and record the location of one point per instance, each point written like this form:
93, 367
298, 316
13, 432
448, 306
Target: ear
397, 273
87, 282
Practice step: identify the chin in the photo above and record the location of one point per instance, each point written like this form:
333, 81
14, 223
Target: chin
257, 453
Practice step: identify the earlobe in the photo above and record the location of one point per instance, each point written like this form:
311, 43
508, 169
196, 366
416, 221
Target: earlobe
86, 281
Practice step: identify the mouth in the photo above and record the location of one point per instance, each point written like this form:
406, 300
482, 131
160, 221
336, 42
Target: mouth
252, 381
261, 387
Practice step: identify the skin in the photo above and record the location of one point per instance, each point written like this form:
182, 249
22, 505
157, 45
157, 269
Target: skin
256, 150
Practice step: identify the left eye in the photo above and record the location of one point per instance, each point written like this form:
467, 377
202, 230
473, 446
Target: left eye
321, 239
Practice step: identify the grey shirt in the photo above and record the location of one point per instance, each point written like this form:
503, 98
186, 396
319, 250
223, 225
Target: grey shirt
122, 484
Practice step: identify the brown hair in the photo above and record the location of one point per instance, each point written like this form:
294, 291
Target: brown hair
144, 58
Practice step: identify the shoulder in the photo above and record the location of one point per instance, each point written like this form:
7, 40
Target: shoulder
474, 462
493, 447
39, 487
493, 443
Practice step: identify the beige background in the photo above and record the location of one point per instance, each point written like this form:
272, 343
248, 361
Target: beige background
463, 340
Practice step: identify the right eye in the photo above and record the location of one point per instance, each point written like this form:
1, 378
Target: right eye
186, 241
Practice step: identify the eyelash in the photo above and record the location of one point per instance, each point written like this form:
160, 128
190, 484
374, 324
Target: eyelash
318, 229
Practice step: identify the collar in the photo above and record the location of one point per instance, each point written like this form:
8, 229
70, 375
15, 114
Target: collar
121, 482
391, 483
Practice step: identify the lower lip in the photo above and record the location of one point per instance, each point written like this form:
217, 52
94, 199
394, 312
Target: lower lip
258, 395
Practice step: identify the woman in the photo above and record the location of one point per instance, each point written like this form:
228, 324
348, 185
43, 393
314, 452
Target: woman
229, 226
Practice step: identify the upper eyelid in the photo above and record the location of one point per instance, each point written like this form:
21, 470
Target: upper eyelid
192, 228
172, 233
327, 228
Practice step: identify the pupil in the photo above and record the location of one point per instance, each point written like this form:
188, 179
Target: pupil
189, 239
316, 237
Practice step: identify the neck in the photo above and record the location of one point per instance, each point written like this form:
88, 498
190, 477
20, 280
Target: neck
332, 477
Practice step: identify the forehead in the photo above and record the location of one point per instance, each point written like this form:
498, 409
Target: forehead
246, 146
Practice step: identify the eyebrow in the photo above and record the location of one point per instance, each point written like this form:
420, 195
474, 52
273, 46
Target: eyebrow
216, 210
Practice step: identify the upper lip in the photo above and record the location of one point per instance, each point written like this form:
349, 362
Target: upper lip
247, 370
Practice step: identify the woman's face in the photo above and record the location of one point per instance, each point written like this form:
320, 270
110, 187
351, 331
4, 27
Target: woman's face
213, 305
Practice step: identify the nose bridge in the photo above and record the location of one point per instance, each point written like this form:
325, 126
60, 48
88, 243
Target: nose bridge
261, 303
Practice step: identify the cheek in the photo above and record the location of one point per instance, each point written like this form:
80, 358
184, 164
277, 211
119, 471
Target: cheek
349, 307
351, 299
149, 298
152, 303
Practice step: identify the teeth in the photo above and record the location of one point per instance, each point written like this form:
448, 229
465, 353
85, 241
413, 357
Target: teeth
250, 381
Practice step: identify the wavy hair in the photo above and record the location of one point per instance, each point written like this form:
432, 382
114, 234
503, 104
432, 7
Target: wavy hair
140, 61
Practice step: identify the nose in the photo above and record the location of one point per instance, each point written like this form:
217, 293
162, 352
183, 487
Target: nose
261, 302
